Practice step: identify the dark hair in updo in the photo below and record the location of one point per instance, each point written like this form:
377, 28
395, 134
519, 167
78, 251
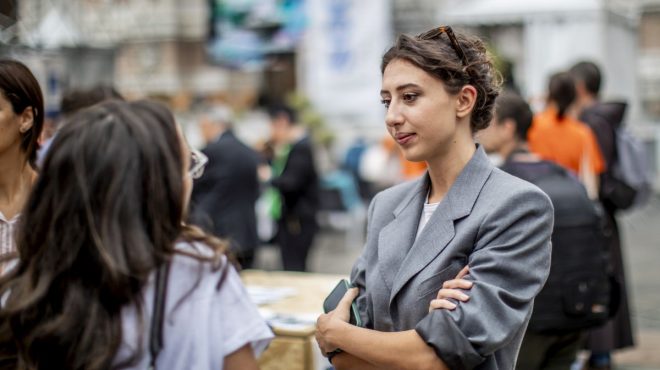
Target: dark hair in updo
439, 59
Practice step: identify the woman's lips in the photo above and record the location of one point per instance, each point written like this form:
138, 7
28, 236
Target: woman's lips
403, 139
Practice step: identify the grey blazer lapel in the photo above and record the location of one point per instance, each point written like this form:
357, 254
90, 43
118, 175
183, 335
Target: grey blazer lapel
439, 231
396, 238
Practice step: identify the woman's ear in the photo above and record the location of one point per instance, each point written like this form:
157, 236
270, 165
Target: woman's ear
465, 101
27, 120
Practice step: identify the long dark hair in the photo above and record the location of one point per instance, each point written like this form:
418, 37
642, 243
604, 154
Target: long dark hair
105, 212
19, 86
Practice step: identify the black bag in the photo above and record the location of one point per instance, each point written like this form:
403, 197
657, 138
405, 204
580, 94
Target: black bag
577, 293
158, 316
628, 181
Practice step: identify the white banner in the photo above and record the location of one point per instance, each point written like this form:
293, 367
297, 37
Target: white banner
341, 55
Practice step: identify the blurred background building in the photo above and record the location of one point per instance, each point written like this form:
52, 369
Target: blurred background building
247, 53
250, 52
534, 39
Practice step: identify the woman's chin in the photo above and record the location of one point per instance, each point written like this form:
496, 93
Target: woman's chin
414, 157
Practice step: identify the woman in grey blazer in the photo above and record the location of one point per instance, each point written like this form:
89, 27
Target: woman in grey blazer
439, 89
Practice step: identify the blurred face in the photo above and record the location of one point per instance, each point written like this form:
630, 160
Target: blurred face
10, 126
187, 179
421, 115
581, 89
279, 129
494, 137
209, 129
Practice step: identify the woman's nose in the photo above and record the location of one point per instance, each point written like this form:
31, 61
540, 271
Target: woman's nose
393, 116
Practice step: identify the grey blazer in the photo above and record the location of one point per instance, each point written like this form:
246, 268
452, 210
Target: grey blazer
498, 224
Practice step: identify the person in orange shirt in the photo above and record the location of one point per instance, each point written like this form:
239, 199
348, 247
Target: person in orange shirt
558, 137
409, 170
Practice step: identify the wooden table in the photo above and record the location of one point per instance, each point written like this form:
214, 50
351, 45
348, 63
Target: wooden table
293, 349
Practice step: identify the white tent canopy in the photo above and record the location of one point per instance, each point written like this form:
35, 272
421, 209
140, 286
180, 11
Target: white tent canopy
54, 31
551, 35
475, 12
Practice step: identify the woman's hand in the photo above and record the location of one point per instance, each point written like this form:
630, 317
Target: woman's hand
451, 289
327, 323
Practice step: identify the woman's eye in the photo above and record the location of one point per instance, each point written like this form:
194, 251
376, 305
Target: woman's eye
385, 102
409, 97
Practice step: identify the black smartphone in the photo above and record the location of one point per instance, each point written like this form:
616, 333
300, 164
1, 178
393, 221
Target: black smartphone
332, 300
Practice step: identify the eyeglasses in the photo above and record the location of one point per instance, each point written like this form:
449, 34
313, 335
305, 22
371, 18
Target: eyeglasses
197, 163
437, 32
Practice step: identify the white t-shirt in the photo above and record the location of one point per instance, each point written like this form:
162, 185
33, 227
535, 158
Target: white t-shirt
427, 212
203, 324
7, 231
8, 240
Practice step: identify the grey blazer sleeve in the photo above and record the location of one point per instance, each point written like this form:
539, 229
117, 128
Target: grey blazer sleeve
359, 279
509, 265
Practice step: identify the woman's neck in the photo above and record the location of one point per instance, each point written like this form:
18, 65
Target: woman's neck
444, 170
514, 146
15, 182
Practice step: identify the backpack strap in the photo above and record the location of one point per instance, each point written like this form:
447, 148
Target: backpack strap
614, 128
158, 317
223, 275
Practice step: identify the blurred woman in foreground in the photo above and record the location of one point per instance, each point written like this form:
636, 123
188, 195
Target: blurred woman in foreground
108, 269
21, 121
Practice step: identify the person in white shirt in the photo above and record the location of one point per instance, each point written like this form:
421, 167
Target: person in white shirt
21, 122
109, 276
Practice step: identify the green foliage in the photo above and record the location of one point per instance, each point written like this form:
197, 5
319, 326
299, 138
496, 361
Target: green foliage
311, 118
502, 65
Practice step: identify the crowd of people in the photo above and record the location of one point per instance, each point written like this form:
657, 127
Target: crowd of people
119, 243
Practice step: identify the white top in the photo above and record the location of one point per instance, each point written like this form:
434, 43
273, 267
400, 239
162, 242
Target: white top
7, 231
203, 324
427, 212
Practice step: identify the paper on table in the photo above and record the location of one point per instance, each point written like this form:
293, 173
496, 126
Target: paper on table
291, 322
262, 295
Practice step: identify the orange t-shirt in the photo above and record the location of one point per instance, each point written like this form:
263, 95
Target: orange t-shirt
409, 170
564, 142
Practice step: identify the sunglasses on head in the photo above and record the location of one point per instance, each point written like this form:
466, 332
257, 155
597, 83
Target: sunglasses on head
437, 32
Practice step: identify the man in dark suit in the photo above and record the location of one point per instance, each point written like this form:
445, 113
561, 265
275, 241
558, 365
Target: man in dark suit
293, 175
223, 199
